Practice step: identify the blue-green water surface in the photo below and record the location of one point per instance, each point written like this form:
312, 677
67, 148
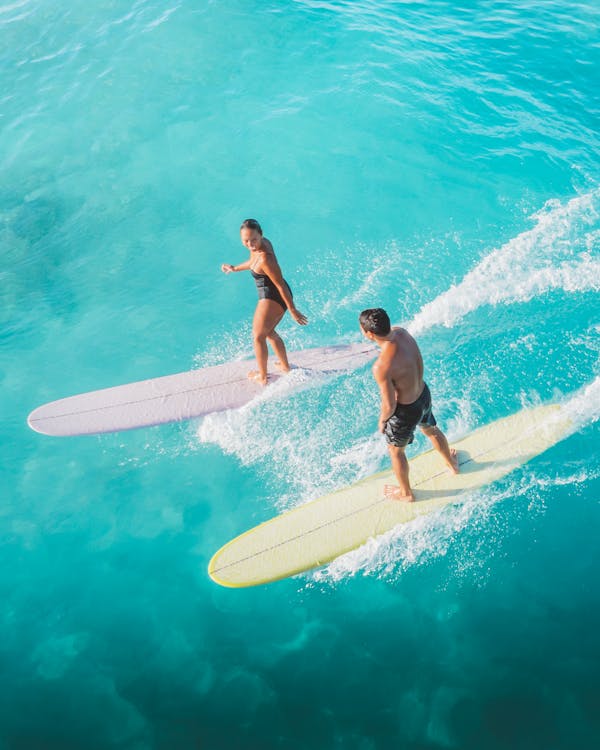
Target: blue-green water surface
435, 159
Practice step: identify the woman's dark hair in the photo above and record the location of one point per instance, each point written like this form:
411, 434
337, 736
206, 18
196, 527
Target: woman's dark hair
376, 321
251, 224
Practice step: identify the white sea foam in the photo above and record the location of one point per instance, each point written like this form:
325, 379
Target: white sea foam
430, 537
230, 346
583, 406
370, 283
309, 458
555, 254
254, 431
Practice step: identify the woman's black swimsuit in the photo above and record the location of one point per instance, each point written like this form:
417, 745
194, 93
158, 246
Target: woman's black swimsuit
267, 289
400, 427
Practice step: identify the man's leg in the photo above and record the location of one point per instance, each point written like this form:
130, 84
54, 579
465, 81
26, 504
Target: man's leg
401, 468
439, 442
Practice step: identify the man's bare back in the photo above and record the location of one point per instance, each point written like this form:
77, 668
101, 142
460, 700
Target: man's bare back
401, 360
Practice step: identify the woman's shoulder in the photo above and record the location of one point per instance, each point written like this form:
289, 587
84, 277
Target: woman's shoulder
267, 246
267, 254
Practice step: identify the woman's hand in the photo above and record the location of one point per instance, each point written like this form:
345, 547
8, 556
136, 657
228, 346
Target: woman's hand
227, 268
301, 319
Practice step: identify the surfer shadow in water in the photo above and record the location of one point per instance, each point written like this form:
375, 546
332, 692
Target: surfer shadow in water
274, 298
405, 398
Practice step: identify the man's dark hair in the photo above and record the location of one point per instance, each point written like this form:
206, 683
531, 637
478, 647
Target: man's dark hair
251, 224
376, 321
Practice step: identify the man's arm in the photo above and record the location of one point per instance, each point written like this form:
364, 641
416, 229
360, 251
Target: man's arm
383, 378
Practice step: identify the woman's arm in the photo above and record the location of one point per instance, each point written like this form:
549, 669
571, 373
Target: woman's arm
271, 268
228, 268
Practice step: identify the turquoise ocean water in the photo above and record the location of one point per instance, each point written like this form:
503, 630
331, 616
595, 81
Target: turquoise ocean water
436, 159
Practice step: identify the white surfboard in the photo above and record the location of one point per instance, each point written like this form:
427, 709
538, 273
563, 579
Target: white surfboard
319, 531
186, 395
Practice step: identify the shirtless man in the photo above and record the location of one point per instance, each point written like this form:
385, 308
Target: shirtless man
405, 398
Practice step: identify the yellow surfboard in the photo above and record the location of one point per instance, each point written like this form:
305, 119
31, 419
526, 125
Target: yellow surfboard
323, 529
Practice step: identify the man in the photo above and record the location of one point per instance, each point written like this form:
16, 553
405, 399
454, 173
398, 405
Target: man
405, 398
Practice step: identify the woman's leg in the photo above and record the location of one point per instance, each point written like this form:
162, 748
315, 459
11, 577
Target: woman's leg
266, 316
280, 351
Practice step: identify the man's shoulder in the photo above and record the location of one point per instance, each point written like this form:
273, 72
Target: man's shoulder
380, 370
402, 337
383, 363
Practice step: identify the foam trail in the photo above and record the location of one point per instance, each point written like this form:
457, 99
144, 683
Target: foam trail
555, 253
369, 286
310, 460
388, 556
583, 407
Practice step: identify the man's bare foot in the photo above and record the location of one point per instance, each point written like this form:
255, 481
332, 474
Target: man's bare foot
257, 377
454, 465
395, 493
281, 366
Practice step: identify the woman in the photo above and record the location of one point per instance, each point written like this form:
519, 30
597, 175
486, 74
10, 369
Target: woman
274, 297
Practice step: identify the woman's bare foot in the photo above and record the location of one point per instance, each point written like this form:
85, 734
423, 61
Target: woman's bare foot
281, 367
395, 493
257, 377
